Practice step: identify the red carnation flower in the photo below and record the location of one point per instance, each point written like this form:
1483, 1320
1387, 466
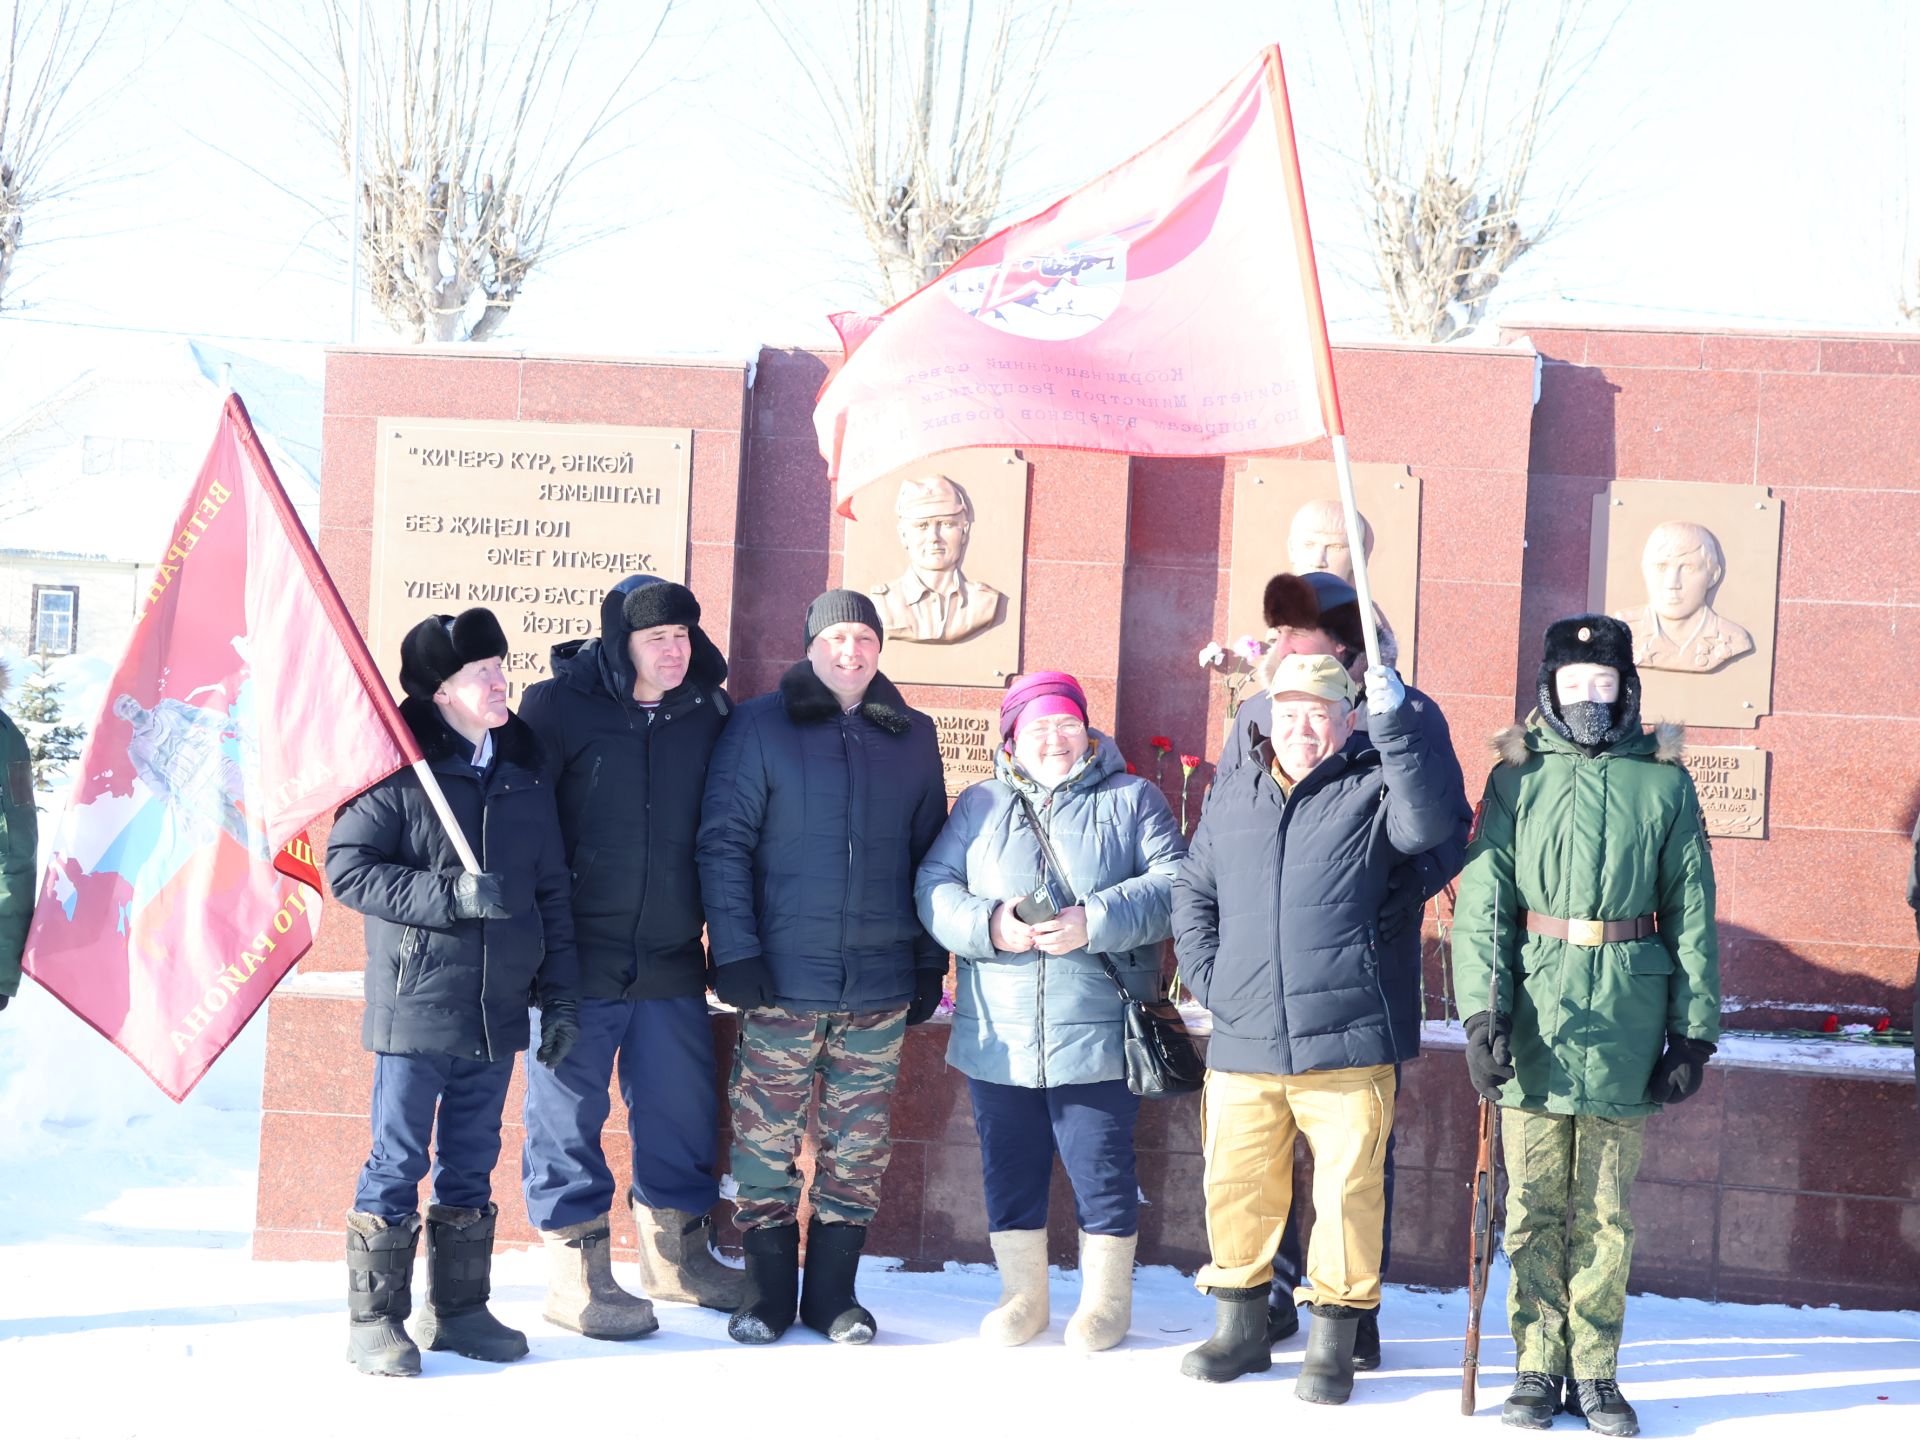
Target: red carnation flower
1161, 743
1189, 763
1830, 1025
1132, 769
1882, 1025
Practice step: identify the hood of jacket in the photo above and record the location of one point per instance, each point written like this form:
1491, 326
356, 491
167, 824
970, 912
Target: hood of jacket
1103, 758
604, 664
1666, 742
808, 701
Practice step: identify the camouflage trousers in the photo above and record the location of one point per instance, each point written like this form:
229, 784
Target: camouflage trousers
857, 1060
1569, 1237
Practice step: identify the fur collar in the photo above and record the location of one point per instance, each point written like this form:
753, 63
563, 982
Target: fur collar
513, 742
809, 702
1669, 742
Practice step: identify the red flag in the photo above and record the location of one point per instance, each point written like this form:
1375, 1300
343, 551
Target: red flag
1168, 308
180, 888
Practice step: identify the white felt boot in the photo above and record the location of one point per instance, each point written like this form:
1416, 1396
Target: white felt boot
1022, 1312
1106, 1292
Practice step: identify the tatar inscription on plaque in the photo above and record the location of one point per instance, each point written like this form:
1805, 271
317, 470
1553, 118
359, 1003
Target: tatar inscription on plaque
1731, 782
968, 739
534, 521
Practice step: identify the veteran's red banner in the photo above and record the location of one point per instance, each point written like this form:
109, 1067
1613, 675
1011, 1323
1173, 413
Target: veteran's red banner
181, 888
1168, 308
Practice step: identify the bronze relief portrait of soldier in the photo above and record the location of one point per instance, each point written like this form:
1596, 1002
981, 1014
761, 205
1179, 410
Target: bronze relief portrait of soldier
1317, 540
1683, 566
933, 602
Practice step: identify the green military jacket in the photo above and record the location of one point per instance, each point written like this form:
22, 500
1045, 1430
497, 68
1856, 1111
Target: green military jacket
1607, 837
19, 836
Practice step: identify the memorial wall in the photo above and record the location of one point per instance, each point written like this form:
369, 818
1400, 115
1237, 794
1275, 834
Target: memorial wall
1716, 492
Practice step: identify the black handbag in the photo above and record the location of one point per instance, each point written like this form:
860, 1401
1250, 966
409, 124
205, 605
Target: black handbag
1157, 1051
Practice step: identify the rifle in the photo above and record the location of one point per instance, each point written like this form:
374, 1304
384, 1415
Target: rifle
1480, 1231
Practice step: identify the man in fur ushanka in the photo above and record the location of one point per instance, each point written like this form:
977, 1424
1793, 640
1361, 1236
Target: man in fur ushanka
1586, 960
452, 960
821, 800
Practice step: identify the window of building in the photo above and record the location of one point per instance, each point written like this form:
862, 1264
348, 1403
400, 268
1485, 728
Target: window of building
96, 454
56, 619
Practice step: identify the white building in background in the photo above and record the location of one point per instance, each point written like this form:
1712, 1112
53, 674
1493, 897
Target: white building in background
94, 473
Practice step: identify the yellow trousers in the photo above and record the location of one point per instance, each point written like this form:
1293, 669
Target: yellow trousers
1247, 1127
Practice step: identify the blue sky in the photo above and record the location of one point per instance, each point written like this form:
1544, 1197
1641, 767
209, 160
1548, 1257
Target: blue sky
1734, 163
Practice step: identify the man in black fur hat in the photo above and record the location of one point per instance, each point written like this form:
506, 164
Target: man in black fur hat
1318, 613
821, 800
452, 958
628, 723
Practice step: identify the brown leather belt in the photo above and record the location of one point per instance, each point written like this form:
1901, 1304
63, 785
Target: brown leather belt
1590, 932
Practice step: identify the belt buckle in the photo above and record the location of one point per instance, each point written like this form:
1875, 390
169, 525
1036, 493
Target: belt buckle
1587, 932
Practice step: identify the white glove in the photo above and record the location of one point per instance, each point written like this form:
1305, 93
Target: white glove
1385, 693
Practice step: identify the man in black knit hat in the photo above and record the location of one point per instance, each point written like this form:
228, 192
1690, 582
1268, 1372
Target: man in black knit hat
821, 800
628, 723
452, 959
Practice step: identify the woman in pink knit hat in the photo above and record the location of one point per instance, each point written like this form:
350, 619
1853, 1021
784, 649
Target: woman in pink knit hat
1037, 1024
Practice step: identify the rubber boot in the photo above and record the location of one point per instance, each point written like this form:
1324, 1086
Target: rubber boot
1283, 1321
582, 1294
459, 1280
1533, 1401
380, 1293
1239, 1343
1366, 1341
1106, 1292
772, 1289
1023, 1311
677, 1264
827, 1301
1326, 1375
1603, 1407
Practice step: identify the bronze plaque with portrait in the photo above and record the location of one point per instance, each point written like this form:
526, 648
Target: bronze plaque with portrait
941, 548
1286, 516
1694, 571
534, 521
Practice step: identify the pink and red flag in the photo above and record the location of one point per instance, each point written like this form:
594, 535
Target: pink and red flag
181, 887
1168, 308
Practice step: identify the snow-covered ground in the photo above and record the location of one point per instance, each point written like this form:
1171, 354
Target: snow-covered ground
129, 1306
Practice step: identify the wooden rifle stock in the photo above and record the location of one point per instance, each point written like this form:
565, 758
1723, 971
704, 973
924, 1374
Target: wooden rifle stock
1479, 1253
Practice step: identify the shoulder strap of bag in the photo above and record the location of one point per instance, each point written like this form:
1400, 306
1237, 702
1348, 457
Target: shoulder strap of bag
1053, 863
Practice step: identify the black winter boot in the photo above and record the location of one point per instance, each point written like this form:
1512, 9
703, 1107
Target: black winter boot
1366, 1341
1326, 1375
380, 1293
773, 1285
1533, 1401
1239, 1343
1604, 1408
828, 1303
459, 1280
1283, 1322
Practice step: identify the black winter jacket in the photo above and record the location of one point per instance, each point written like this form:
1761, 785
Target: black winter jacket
436, 985
1275, 908
629, 798
813, 826
1413, 879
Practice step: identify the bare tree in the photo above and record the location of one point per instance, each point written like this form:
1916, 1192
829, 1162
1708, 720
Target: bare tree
47, 46
923, 121
473, 130
1449, 142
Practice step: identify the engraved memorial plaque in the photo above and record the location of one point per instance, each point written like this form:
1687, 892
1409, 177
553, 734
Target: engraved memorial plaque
1693, 570
534, 521
968, 739
940, 548
1731, 782
1286, 517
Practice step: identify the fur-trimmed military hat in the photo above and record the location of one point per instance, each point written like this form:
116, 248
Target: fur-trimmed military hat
1317, 600
441, 646
1590, 640
646, 601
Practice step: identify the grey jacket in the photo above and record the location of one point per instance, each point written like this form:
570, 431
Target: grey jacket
1037, 1020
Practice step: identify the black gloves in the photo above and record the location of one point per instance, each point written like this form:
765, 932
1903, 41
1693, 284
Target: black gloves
479, 897
559, 1028
1489, 1056
1678, 1073
744, 984
928, 986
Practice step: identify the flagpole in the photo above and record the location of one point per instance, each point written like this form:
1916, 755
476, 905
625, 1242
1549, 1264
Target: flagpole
1322, 347
335, 609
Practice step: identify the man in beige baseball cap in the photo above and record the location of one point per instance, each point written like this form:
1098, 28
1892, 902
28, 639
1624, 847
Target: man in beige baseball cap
933, 601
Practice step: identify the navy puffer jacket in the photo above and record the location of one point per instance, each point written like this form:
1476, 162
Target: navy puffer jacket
813, 825
629, 788
436, 985
1275, 910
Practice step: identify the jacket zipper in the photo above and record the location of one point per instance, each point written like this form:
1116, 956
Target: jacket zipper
1380, 989
846, 894
486, 823
407, 937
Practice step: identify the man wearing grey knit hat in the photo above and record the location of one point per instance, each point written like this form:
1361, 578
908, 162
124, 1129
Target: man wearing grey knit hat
820, 801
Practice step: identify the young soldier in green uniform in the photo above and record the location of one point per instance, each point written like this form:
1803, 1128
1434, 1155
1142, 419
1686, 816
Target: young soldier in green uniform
1588, 898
